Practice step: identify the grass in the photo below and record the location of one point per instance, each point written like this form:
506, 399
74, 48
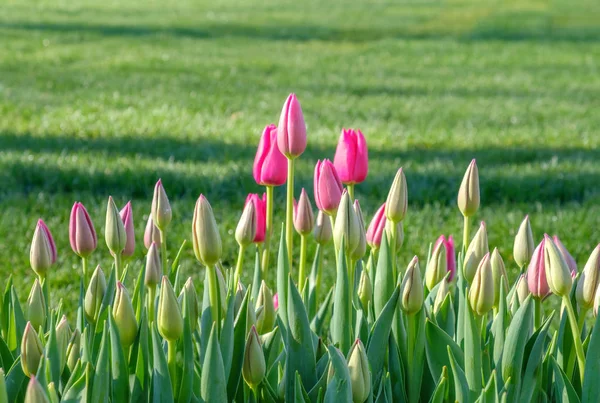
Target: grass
100, 98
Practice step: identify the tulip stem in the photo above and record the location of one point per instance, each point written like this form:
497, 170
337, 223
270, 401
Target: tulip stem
238, 268
302, 266
84, 266
163, 251
466, 227
150, 302
576, 335
332, 221
118, 260
268, 231
537, 313
350, 188
289, 212
319, 265
213, 295
392, 245
172, 364
581, 321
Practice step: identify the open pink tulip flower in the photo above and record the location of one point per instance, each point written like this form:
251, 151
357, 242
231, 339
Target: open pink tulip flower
127, 217
82, 234
566, 255
328, 187
536, 273
291, 131
270, 165
151, 234
450, 254
351, 157
260, 206
376, 228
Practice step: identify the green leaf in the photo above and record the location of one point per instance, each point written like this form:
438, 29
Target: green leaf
227, 333
564, 391
516, 340
53, 354
175, 264
384, 281
341, 320
162, 390
591, 382
396, 371
319, 320
257, 277
461, 387
186, 388
534, 361
6, 357
213, 384
488, 394
76, 392
441, 389
436, 350
300, 395
312, 282
101, 388
17, 322
119, 373
3, 394
139, 294
417, 361
499, 325
239, 346
140, 354
446, 317
15, 381
339, 388
283, 271
472, 349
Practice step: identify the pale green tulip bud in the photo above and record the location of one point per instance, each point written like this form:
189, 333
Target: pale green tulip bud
304, 220
442, 292
596, 302
246, 228
498, 272
346, 225
42, 254
478, 248
399, 232
35, 393
522, 289
481, 292
524, 245
588, 281
411, 290
124, 316
114, 234
205, 234
468, 194
161, 209
189, 293
323, 231
266, 319
254, 367
437, 267
31, 351
361, 247
365, 290
153, 272
73, 350
558, 274
36, 306
170, 321
94, 295
63, 335
397, 200
360, 374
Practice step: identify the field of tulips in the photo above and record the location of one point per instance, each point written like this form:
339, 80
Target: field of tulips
449, 326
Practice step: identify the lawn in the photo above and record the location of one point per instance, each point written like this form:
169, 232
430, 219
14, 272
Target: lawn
104, 98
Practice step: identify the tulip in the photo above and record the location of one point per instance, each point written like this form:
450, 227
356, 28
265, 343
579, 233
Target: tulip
42, 254
153, 272
351, 157
35, 392
246, 228
477, 249
291, 131
151, 233
481, 293
266, 319
36, 306
328, 187
346, 225
361, 247
587, 285
32, 351
360, 374
437, 267
397, 199
127, 217
73, 352
115, 235
161, 208
82, 234
304, 219
365, 290
376, 227
254, 367
558, 274
63, 336
323, 231
536, 273
260, 209
191, 298
524, 246
399, 234
124, 316
94, 295
411, 290
498, 272
169, 319
468, 194
205, 234
276, 301
270, 165
571, 264
450, 255
442, 291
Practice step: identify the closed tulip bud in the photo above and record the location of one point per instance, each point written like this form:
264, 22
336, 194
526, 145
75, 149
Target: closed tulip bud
442, 291
31, 351
376, 228
437, 267
246, 228
260, 207
36, 306
468, 194
365, 289
450, 255
124, 316
161, 208
205, 234
94, 295
411, 290
360, 374
63, 336
477, 249
481, 292
498, 272
73, 350
328, 187
266, 319
304, 220
153, 266
588, 281
397, 199
254, 367
270, 165
291, 131
351, 157
536, 273
571, 264
82, 234
361, 247
170, 321
558, 274
323, 231
35, 392
151, 234
596, 303
42, 254
191, 298
115, 235
346, 225
399, 232
522, 288
127, 217
524, 246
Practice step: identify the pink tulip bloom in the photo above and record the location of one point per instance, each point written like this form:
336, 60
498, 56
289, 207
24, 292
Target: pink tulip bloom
376, 228
450, 254
270, 165
536, 273
291, 131
328, 187
276, 301
82, 234
127, 217
260, 206
566, 255
151, 234
351, 157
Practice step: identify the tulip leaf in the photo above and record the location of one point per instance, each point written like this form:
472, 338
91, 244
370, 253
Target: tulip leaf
6, 357
227, 334
239, 346
141, 357
384, 278
300, 395
5, 307
339, 388
16, 324
76, 392
534, 360
516, 340
139, 294
161, 390
472, 348
319, 320
101, 384
591, 382
213, 384
488, 393
14, 381
206, 320
173, 276
436, 350
80, 315
461, 387
186, 388
283, 271
446, 317
441, 389
53, 354
396, 371
341, 320
118, 364
312, 281
499, 324
564, 391
257, 276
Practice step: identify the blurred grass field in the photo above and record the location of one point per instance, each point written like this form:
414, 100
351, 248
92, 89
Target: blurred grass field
103, 98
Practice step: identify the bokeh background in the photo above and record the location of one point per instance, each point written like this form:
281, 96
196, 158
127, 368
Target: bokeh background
102, 98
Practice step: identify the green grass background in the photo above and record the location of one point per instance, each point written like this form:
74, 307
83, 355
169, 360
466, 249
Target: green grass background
103, 98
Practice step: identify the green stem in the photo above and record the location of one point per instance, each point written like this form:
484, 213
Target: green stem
319, 266
392, 244
537, 313
332, 221
213, 294
302, 266
350, 191
289, 212
268, 230
576, 335
84, 267
581, 320
238, 268
163, 252
411, 330
150, 303
466, 228
172, 363
118, 260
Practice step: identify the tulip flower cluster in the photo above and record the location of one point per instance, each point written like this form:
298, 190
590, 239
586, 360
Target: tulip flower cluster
449, 326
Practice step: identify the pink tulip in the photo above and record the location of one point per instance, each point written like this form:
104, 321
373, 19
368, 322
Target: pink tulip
351, 157
151, 234
127, 217
566, 255
42, 254
42, 225
328, 187
536, 273
376, 228
276, 301
260, 205
81, 231
450, 254
291, 131
270, 165
304, 220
